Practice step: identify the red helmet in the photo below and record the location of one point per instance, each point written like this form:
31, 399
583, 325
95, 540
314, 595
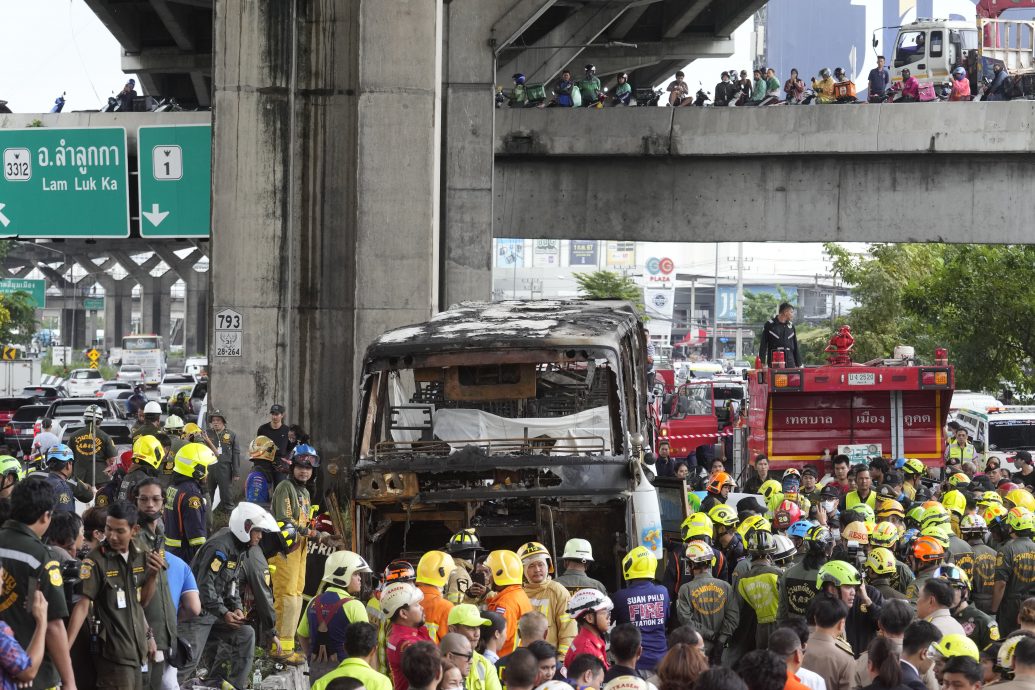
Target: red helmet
126, 460
786, 515
1006, 488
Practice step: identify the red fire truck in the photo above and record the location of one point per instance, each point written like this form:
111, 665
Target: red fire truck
700, 412
894, 407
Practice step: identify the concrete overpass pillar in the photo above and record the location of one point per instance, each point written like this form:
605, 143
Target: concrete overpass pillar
118, 310
73, 328
326, 197
196, 313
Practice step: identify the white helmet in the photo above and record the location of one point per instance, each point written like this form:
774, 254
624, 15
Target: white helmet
341, 566
93, 413
174, 423
248, 516
397, 595
578, 550
586, 600
152, 407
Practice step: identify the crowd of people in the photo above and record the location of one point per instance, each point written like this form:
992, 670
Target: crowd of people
760, 88
876, 576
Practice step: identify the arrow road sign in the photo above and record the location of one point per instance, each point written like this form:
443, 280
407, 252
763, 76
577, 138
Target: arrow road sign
155, 216
4, 220
175, 166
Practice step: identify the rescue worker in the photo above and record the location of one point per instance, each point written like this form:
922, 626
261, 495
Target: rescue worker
11, 473
92, 447
464, 547
332, 610
257, 586
259, 485
160, 611
147, 459
174, 430
719, 487
548, 597
696, 527
798, 586
863, 492
725, 520
591, 611
758, 589
749, 525
885, 535
1014, 570
433, 572
228, 462
185, 506
959, 450
978, 625
172, 441
926, 557
645, 604
703, 601
778, 336
466, 620
291, 504
912, 471
809, 488
149, 426
841, 580
973, 530
880, 567
396, 571
401, 603
577, 557
508, 599
67, 489
118, 581
217, 570
29, 566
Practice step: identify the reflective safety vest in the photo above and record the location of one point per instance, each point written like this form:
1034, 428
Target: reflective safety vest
761, 590
482, 675
962, 454
852, 500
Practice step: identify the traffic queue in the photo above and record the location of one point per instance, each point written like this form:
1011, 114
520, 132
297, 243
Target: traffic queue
143, 591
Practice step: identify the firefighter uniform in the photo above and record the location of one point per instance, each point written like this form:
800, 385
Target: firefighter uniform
883, 585
703, 603
257, 596
551, 599
30, 565
574, 580
760, 589
145, 429
983, 579
217, 569
326, 619
511, 603
459, 582
1015, 566
185, 512
797, 590
962, 554
913, 590
113, 582
290, 505
436, 611
92, 451
979, 626
139, 473
160, 611
903, 577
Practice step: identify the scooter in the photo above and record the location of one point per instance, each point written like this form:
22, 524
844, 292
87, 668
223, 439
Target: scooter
168, 105
646, 96
701, 98
112, 105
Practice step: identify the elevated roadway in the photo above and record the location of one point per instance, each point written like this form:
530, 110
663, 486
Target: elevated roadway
950, 172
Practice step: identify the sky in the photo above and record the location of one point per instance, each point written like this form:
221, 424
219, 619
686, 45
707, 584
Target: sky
60, 46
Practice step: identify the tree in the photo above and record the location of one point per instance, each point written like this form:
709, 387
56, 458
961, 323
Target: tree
759, 307
609, 285
17, 318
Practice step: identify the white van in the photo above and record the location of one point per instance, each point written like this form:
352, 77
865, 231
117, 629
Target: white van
1004, 430
969, 400
195, 366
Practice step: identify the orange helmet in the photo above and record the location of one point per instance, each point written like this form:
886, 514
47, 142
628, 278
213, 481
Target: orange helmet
720, 480
926, 549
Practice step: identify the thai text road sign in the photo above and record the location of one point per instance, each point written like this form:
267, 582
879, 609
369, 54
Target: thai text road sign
64, 182
37, 289
175, 178
93, 303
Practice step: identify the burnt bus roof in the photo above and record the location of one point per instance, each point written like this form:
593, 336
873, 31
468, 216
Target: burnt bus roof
511, 325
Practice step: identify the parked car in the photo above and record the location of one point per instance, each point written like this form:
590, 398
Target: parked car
8, 406
108, 389
69, 412
45, 394
172, 383
131, 373
84, 382
20, 429
196, 366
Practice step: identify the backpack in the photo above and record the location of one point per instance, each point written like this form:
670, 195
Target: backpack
324, 610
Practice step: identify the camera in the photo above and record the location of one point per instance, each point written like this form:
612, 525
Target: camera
856, 555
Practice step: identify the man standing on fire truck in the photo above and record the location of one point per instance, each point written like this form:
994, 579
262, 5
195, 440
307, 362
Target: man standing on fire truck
778, 336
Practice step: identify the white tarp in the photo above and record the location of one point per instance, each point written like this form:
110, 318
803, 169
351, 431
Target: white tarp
458, 426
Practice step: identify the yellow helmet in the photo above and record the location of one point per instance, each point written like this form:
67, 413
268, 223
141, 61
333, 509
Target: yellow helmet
988, 498
938, 533
934, 516
723, 515
639, 564
1004, 660
752, 523
1020, 520
769, 487
262, 448
958, 480
995, 514
881, 561
699, 553
956, 502
889, 507
1021, 499
147, 450
867, 513
434, 568
193, 460
697, 525
533, 551
885, 534
190, 428
505, 567
955, 644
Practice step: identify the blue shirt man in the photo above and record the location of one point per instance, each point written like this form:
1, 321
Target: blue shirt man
878, 80
645, 604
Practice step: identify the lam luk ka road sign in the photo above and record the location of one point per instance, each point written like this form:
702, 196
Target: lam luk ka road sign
175, 177
64, 183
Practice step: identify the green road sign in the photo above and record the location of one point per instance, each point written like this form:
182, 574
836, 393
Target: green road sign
175, 164
93, 303
37, 289
64, 182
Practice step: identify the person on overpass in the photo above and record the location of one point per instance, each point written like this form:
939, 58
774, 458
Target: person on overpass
623, 91
725, 90
909, 87
778, 335
794, 88
960, 85
824, 86
679, 91
1001, 85
877, 82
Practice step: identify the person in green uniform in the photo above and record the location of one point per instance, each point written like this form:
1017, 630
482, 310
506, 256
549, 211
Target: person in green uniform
92, 447
150, 425
147, 459
119, 579
973, 529
979, 626
880, 567
1014, 570
160, 611
589, 85
759, 588
225, 472
702, 603
30, 566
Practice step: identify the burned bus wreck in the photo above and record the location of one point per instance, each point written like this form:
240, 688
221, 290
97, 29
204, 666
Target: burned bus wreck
524, 420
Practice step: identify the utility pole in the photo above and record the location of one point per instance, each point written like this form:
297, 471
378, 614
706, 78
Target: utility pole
715, 308
740, 297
